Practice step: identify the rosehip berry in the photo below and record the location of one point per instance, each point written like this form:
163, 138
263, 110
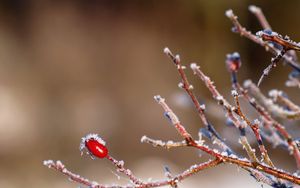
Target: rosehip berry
97, 149
94, 145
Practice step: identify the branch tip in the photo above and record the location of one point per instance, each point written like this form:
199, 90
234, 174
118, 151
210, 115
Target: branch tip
229, 13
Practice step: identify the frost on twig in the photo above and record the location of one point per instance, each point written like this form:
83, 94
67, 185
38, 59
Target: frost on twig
286, 45
270, 105
159, 143
59, 166
294, 79
267, 39
279, 96
260, 16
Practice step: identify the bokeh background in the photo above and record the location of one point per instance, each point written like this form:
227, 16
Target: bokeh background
68, 68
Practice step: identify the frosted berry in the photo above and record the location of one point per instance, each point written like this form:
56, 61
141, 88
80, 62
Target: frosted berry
94, 145
95, 148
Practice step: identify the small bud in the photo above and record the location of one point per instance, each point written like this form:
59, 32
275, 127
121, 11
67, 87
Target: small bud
254, 9
234, 93
172, 117
180, 85
233, 62
144, 138
294, 74
229, 13
194, 66
202, 106
94, 145
234, 29
177, 57
167, 51
157, 98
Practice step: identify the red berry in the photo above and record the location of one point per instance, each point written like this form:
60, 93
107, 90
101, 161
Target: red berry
96, 148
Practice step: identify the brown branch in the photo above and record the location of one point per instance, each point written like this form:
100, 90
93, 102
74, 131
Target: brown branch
238, 28
255, 130
231, 158
278, 96
280, 128
269, 104
184, 84
58, 166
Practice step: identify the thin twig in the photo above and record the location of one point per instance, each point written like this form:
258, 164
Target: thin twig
278, 96
269, 104
255, 130
260, 16
232, 158
238, 28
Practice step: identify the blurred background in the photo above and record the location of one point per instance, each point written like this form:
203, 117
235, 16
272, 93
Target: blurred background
68, 68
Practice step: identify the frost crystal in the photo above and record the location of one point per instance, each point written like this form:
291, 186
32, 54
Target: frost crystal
180, 85
144, 138
48, 163
194, 66
191, 87
90, 137
256, 121
234, 93
177, 57
219, 98
167, 51
229, 13
247, 83
158, 98
253, 9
